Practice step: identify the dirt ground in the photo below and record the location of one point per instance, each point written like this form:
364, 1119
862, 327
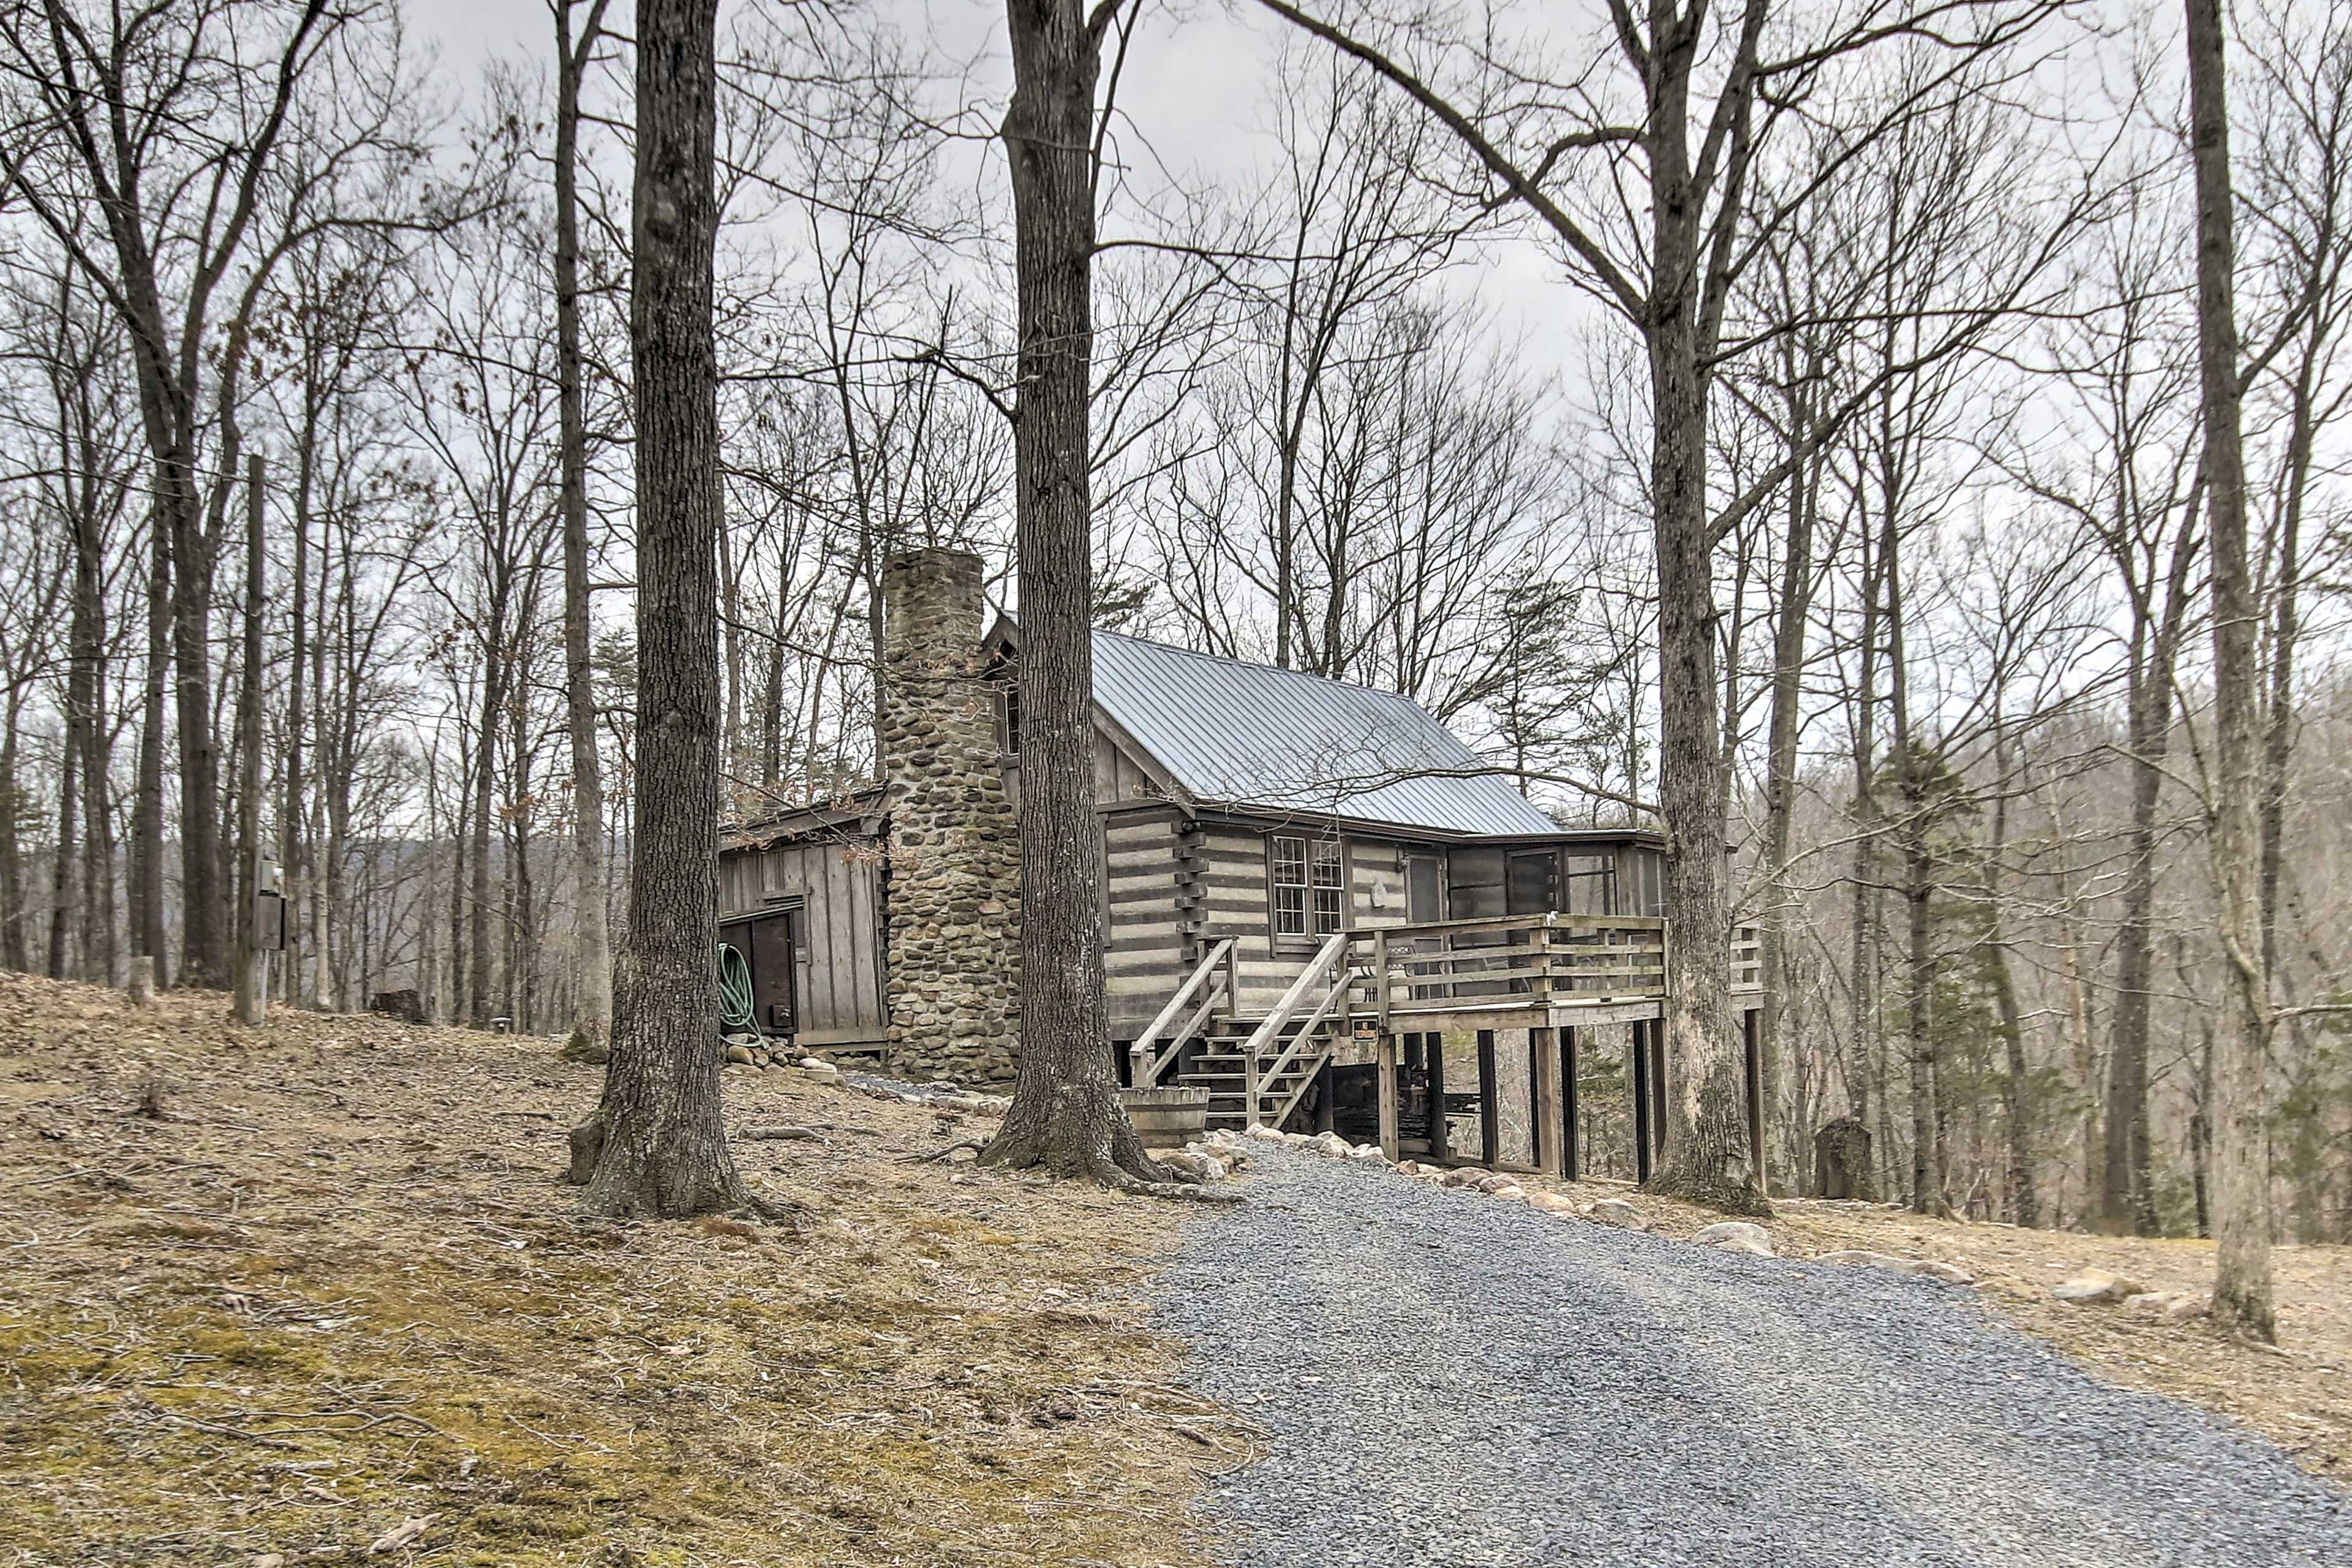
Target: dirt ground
2302, 1400
282, 1291
334, 1286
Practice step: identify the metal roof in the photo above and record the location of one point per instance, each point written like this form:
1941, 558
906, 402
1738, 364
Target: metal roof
1249, 734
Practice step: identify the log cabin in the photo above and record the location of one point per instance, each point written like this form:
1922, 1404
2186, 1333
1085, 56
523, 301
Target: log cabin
1319, 905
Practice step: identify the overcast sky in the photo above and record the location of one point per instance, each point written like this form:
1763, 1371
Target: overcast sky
1196, 86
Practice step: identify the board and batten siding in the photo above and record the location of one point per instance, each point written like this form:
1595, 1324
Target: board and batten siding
839, 974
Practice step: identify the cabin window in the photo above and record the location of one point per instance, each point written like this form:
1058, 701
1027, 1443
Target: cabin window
1309, 887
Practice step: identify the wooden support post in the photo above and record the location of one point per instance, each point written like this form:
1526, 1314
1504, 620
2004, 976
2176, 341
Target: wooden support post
1639, 1052
1441, 1148
1571, 1135
1658, 1126
1249, 1087
1752, 1042
1543, 1047
1490, 1131
1386, 1056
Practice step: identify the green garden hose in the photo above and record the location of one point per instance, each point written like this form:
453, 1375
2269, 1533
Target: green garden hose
736, 1008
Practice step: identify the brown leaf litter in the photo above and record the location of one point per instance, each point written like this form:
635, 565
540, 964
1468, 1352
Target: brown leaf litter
333, 1289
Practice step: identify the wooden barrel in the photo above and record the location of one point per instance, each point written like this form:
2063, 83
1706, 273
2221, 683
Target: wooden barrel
1166, 1118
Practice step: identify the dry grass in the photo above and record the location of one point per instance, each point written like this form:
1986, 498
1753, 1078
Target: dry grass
336, 1286
2302, 1400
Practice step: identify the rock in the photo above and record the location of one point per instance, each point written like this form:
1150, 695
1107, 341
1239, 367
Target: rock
2183, 1308
1737, 1235
737, 1055
579, 1047
1493, 1180
1332, 1146
405, 1533
2096, 1288
1553, 1202
1408, 1167
1368, 1151
1617, 1212
1927, 1268
1262, 1132
816, 1071
1199, 1167
1461, 1176
782, 1134
1223, 1138
587, 1148
1509, 1190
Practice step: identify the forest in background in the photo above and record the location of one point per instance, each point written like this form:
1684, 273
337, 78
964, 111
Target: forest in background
298, 427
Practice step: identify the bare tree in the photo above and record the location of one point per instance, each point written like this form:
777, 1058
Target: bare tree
2242, 1283
593, 1018
663, 1146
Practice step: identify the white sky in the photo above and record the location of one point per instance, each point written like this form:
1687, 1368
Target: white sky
1196, 86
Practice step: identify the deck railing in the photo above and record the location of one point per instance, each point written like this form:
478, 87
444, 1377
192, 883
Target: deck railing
1187, 1014
1512, 961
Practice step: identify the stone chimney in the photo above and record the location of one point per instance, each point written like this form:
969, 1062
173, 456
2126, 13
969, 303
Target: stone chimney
953, 888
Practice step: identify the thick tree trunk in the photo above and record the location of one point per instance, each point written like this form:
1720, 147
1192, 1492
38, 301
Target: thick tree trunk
664, 1148
1707, 1159
2241, 1285
1066, 1112
592, 1020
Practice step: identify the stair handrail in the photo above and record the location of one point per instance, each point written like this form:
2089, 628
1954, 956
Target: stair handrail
1146, 1069
1327, 961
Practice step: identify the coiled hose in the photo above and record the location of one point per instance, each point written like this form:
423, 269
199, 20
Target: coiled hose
736, 1008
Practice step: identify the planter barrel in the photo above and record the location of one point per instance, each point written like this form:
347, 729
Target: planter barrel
1166, 1118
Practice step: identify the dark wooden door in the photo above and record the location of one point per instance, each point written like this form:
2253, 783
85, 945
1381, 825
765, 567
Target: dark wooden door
774, 989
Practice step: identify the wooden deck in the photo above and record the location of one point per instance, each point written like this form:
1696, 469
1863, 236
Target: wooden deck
1554, 975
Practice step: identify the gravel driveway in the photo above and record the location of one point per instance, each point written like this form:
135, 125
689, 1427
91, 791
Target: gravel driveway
1452, 1380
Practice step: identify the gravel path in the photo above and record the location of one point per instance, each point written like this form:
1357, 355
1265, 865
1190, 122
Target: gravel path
1454, 1381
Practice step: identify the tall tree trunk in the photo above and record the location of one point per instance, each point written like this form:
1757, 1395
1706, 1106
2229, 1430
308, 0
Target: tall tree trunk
1910, 756
485, 768
663, 1150
591, 1018
1780, 761
2125, 1204
1065, 1113
1706, 1158
301, 889
14, 916
62, 911
2241, 1286
2017, 1085
247, 1003
148, 935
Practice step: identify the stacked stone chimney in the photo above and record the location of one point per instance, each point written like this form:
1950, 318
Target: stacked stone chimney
954, 920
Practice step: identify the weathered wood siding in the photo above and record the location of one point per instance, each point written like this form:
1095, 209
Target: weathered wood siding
839, 882
1145, 950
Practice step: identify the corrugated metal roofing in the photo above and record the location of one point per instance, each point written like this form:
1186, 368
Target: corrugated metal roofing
1248, 734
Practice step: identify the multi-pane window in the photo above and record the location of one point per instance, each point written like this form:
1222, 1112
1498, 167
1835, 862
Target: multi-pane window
1309, 888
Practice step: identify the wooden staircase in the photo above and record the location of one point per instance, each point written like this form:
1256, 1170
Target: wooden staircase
1224, 1069
1255, 1070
